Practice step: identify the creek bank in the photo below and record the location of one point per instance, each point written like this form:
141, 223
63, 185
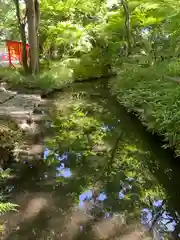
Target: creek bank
47, 82
51, 92
154, 100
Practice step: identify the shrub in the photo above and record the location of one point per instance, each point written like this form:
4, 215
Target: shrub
92, 64
55, 77
59, 73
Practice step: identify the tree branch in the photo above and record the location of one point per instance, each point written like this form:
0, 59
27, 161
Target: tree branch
16, 2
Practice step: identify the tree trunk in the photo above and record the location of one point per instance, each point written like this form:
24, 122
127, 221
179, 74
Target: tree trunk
37, 11
33, 25
21, 24
24, 51
127, 26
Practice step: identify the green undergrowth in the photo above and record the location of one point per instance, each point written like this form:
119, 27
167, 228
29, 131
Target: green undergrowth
58, 73
10, 134
10, 138
49, 79
153, 97
4, 205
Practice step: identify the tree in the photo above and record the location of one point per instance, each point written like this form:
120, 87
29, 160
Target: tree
21, 25
33, 15
127, 25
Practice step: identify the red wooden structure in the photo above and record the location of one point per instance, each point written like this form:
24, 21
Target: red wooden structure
15, 51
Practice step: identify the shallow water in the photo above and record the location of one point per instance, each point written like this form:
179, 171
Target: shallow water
102, 176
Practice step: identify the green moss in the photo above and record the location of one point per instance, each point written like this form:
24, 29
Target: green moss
154, 98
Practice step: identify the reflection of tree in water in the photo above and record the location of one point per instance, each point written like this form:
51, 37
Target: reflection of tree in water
100, 164
108, 170
158, 220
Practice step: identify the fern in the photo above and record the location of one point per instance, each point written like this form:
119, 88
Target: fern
6, 207
4, 173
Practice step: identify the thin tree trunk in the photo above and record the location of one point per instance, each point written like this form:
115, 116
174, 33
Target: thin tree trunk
37, 11
24, 52
32, 35
127, 25
21, 25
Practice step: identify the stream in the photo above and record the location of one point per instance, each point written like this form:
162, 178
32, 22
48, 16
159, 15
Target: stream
102, 177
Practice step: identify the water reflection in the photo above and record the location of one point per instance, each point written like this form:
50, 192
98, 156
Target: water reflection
121, 195
100, 168
158, 219
61, 170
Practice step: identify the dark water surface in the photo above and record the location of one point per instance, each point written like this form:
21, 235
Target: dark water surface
102, 177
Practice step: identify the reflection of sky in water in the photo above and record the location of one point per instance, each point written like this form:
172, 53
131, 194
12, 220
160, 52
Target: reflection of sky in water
102, 197
147, 218
87, 202
147, 215
61, 170
84, 196
62, 157
46, 153
157, 203
166, 218
121, 195
107, 128
88, 196
125, 187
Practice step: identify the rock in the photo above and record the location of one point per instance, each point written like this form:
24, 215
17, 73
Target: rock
5, 95
30, 119
4, 85
24, 126
26, 133
2, 89
37, 109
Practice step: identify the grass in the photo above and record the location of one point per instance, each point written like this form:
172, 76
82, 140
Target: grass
154, 98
